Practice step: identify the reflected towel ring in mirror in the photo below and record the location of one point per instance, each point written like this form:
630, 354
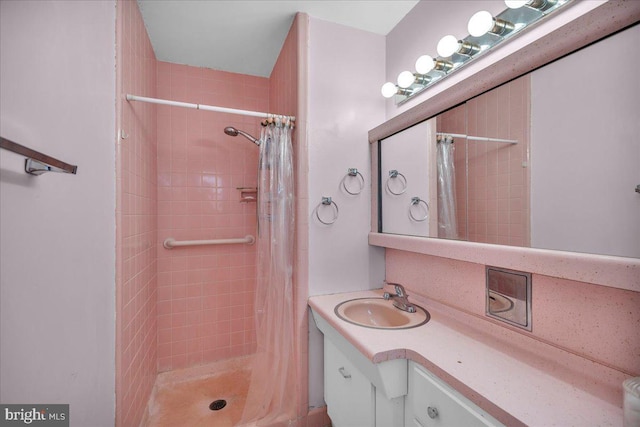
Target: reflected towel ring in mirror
326, 201
353, 172
393, 174
414, 202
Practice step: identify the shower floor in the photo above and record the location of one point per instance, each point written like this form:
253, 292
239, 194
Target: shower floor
182, 397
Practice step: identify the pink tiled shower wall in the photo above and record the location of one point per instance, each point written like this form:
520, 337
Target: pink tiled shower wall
205, 294
136, 220
496, 200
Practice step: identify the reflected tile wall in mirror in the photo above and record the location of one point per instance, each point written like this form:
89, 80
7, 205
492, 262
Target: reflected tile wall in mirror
498, 173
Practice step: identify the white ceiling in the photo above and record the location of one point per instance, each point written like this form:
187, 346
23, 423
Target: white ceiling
245, 36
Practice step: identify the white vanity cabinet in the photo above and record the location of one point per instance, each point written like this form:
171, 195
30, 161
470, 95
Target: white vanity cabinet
358, 392
349, 395
392, 393
432, 402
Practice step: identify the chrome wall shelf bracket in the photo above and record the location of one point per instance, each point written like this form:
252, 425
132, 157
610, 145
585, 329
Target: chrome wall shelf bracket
36, 162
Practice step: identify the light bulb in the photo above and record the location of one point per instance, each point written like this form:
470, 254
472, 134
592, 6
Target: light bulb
406, 79
480, 23
447, 46
388, 90
515, 4
424, 64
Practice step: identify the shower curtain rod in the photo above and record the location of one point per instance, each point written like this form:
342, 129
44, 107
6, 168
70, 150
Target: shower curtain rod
206, 107
478, 138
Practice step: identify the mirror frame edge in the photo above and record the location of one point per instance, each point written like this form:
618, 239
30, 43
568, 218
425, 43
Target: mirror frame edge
604, 270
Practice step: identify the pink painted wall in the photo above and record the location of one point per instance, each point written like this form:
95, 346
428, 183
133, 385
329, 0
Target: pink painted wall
57, 263
496, 206
340, 115
205, 294
136, 219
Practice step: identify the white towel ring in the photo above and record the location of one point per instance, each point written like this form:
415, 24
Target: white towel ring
393, 174
416, 201
353, 172
326, 201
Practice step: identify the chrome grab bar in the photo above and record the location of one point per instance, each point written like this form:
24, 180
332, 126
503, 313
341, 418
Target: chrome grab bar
170, 242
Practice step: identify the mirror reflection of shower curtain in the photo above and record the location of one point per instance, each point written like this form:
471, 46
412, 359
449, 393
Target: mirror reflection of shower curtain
272, 390
447, 227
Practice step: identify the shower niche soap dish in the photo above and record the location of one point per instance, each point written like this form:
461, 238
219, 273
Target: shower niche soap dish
248, 194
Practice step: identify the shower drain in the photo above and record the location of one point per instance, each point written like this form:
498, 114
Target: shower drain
216, 405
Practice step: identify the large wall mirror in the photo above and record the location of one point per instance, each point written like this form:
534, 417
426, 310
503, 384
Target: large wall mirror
548, 160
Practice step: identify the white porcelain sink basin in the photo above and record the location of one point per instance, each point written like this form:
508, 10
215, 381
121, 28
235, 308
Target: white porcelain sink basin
379, 313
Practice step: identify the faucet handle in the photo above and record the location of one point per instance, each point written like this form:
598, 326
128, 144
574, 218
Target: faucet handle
400, 290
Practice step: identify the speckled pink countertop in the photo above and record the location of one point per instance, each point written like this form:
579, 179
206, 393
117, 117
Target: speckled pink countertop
517, 379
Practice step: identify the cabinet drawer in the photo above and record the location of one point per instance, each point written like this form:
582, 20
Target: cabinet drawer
431, 402
349, 395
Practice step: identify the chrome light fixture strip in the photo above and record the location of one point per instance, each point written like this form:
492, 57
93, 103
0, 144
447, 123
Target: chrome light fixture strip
509, 22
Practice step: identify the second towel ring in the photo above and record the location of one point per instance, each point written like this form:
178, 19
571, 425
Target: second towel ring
353, 172
395, 174
326, 201
417, 201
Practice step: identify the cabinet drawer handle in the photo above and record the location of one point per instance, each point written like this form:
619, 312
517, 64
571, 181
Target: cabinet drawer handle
432, 412
344, 373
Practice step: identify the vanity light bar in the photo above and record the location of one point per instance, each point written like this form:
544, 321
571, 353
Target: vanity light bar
485, 33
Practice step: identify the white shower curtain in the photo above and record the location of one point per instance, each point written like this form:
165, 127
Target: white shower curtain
272, 391
447, 227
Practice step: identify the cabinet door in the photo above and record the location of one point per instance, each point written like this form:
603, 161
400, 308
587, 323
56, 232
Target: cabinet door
349, 395
433, 403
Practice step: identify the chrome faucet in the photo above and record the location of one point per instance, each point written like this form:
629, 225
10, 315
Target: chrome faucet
400, 299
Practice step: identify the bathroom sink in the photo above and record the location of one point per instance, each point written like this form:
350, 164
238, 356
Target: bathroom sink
379, 313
